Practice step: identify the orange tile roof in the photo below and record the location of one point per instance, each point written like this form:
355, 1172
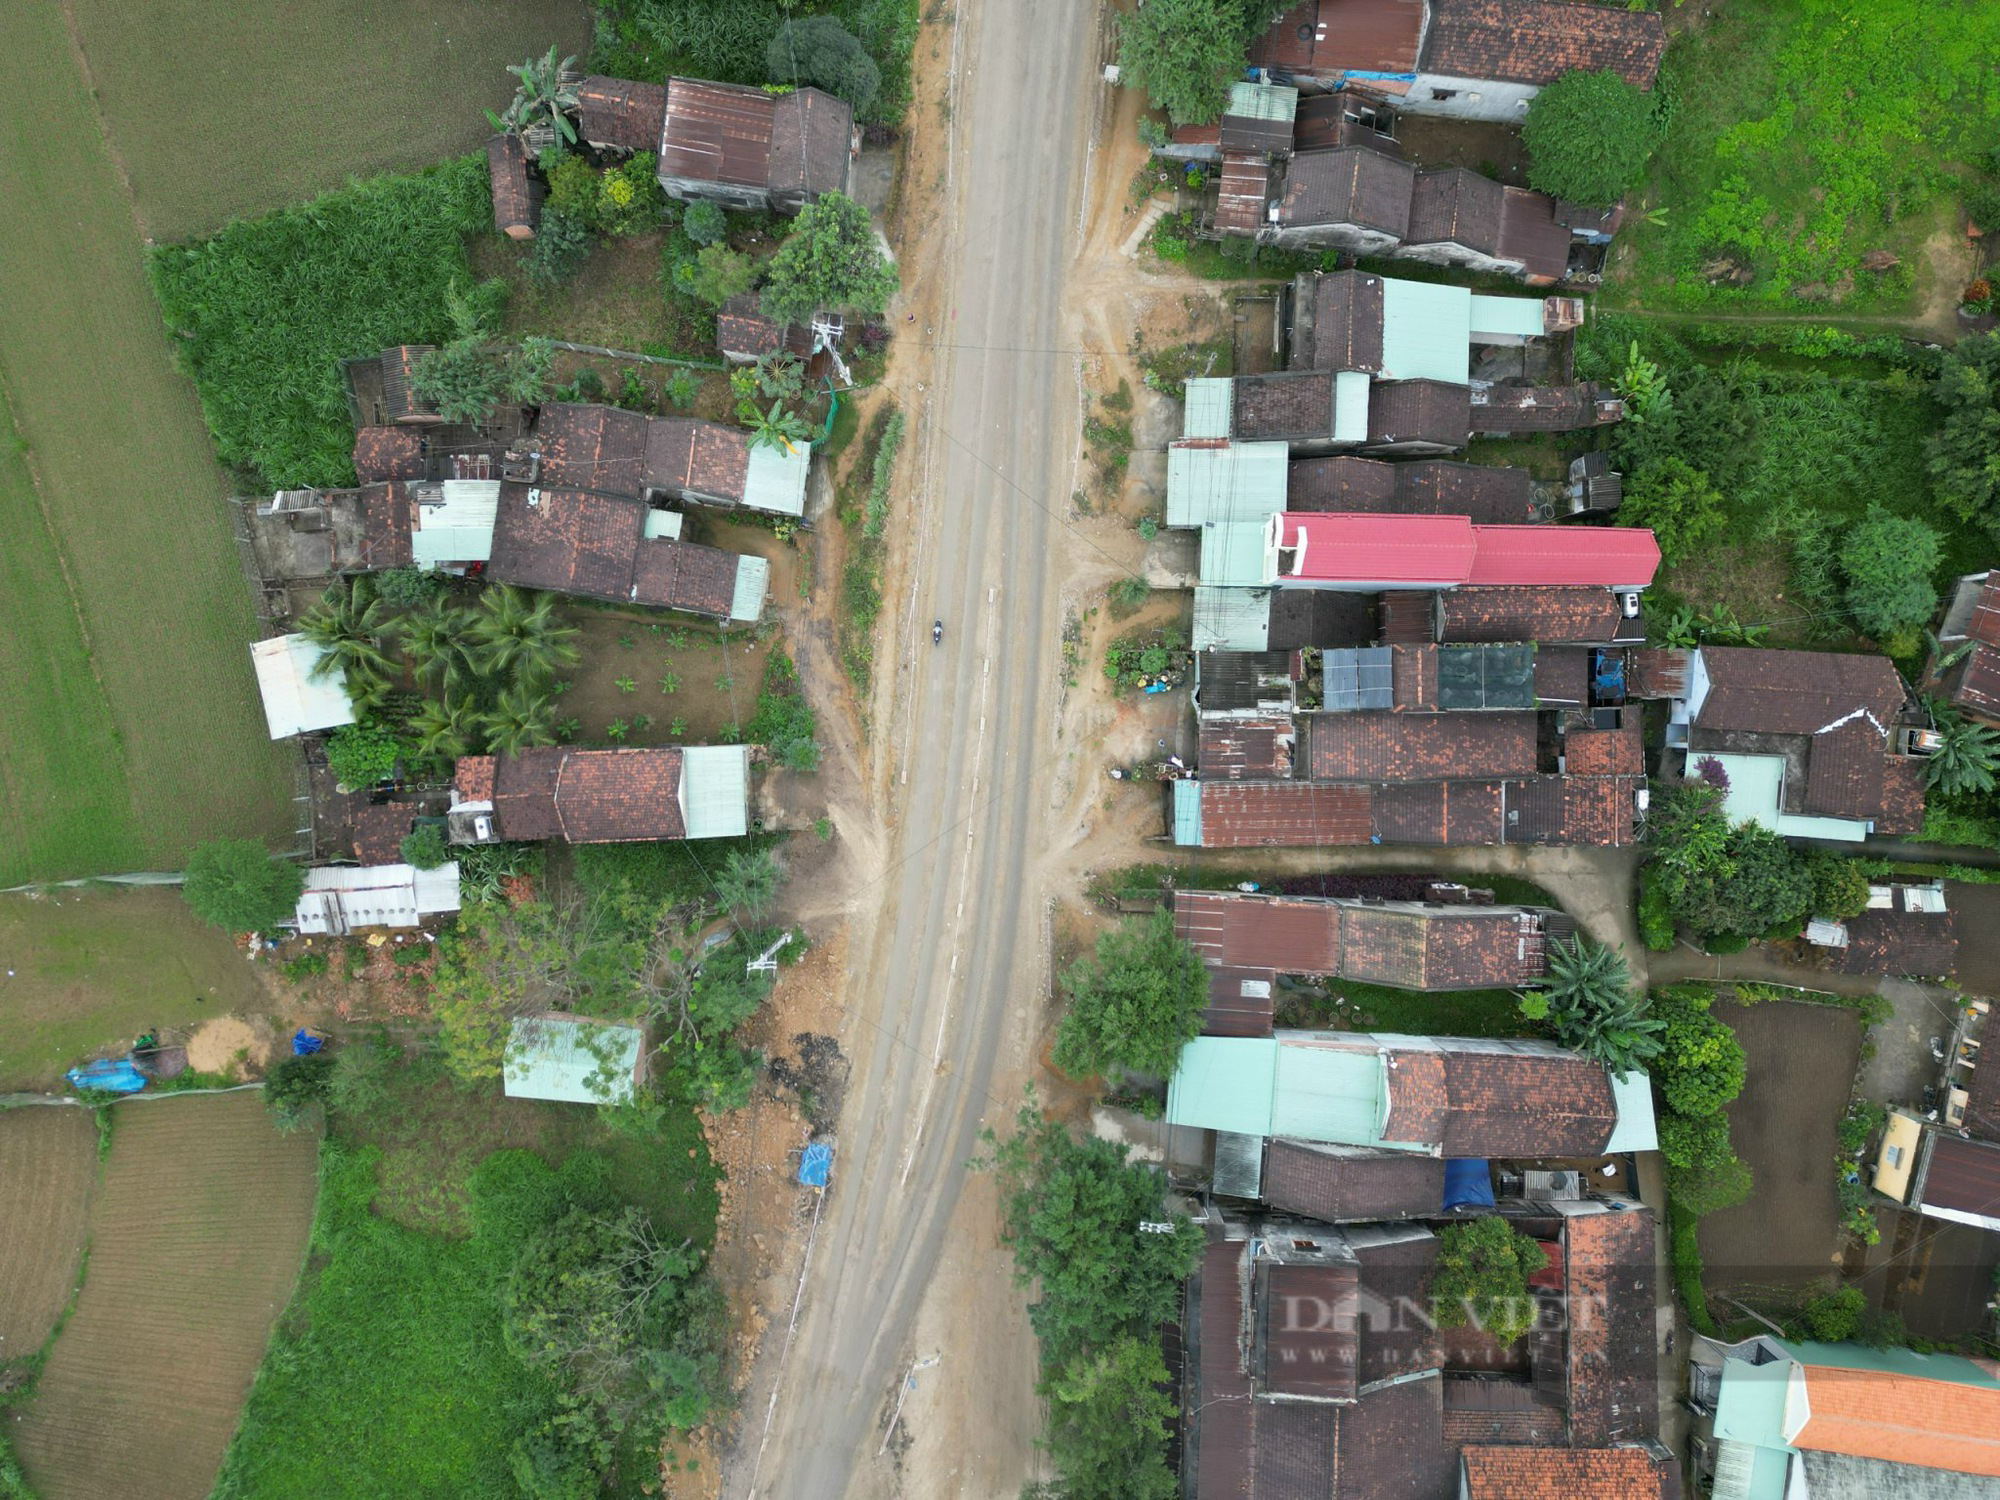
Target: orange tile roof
1560, 1474
1904, 1419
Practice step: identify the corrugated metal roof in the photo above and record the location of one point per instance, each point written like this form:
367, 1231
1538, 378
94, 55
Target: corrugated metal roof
1632, 1097
294, 702
1426, 332
1239, 1165
1486, 676
1617, 557
1329, 1093
1506, 317
776, 480
717, 132
1217, 480
1357, 678
452, 522
1231, 619
339, 898
1350, 406
1263, 101
1187, 813
571, 1060
1209, 405
753, 581
1224, 1083
715, 791
1385, 550
1233, 553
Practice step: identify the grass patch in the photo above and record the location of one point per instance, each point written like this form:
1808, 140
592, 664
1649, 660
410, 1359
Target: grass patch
1948, 825
1374, 1007
662, 874
1684, 1247
1775, 162
863, 506
263, 312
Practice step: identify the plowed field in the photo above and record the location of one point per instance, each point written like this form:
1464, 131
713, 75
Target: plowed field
196, 1240
48, 1163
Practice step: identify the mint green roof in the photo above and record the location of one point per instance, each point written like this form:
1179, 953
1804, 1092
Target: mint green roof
1426, 332
1636, 1129
1757, 795
1893, 1361
1209, 405
1330, 1094
1187, 813
1224, 1082
1263, 101
1507, 317
753, 580
776, 478
1350, 407
1235, 619
1232, 553
715, 791
572, 1060
1750, 1405
1232, 482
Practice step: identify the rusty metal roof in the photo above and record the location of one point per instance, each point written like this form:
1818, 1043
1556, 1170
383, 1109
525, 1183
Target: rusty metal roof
717, 132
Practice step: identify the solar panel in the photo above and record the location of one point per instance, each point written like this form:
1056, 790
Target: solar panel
1486, 676
1357, 678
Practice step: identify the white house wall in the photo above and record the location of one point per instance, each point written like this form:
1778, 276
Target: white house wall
1470, 98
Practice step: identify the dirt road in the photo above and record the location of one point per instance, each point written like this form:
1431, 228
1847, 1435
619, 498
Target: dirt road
949, 946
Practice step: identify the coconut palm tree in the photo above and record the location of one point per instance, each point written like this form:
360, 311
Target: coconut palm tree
521, 720
1590, 1005
1966, 758
350, 625
520, 636
439, 645
447, 730
544, 94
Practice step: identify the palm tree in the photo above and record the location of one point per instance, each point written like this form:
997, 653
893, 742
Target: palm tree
520, 721
438, 644
1589, 1003
747, 882
1966, 758
521, 637
349, 625
776, 428
544, 94
447, 730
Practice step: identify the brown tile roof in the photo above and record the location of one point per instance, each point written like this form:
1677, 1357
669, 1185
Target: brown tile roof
388, 453
1845, 771
1221, 1425
1982, 1109
1419, 1097
1351, 1184
1348, 185
1562, 1474
473, 778
1391, 1446
1294, 406
686, 456
1562, 674
568, 541
1413, 675
1455, 206
1306, 1340
507, 176
742, 330
621, 114
1439, 812
1240, 1002
1901, 1419
1524, 1103
1612, 1293
589, 796
399, 370
1546, 615
1486, 495
592, 447
1395, 1276
1900, 944
1503, 409
1596, 812
1436, 412
679, 575
1246, 749
1481, 1410
1796, 692
812, 140
1408, 618
717, 132
376, 831
1974, 685
1347, 317
1392, 746
1466, 948
1292, 935
1263, 814
385, 526
1537, 41
1605, 752
1241, 191
1531, 234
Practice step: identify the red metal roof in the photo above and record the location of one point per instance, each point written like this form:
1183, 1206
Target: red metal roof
1605, 556
1434, 550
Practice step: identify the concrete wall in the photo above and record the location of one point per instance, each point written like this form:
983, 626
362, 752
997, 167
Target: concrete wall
693, 189
1352, 238
1503, 102
1445, 253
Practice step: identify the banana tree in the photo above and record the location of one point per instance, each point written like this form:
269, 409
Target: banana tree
776, 428
545, 95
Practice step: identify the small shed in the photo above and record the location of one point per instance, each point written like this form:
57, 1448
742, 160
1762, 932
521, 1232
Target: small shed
296, 702
574, 1060
339, 898
514, 198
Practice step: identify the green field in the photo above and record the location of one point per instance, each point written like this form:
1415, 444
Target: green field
125, 571
218, 110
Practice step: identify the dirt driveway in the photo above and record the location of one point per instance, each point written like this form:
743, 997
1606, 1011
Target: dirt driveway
1801, 1066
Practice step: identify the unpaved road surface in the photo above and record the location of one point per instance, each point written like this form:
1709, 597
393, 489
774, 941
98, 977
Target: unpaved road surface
949, 943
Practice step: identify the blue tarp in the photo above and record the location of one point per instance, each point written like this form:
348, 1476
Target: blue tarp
815, 1163
111, 1075
305, 1044
1467, 1183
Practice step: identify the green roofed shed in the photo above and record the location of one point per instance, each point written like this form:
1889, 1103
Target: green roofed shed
573, 1060
1224, 481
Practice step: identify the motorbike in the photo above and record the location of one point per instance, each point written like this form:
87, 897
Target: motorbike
937, 632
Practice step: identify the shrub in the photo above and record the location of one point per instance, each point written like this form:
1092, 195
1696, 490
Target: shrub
1695, 1142
262, 312
360, 755
575, 189
1684, 1245
1675, 499
1656, 915
705, 223
1708, 1190
715, 274
1889, 560
303, 966
406, 588
784, 722
424, 846
294, 1086
630, 199
831, 260
819, 51
1962, 452
1839, 886
1482, 1276
1832, 1317
1701, 1063
237, 884
1134, 1003
1589, 136
461, 381
561, 245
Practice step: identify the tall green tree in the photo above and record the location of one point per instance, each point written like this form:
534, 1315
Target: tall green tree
439, 644
1889, 560
748, 882
461, 381
1589, 136
1965, 451
1966, 758
520, 719
1589, 1003
819, 51
1134, 1003
521, 634
831, 260
1185, 54
351, 626
240, 886
1109, 1416
1701, 1063
1482, 1274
